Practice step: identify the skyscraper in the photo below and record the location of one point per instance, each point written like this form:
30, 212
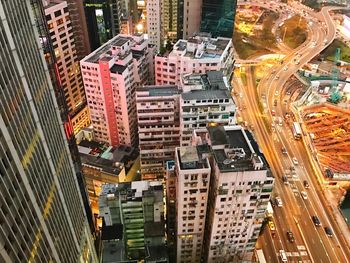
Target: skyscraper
42, 215
218, 17
214, 17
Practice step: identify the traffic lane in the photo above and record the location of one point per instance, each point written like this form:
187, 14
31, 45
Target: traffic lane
266, 243
326, 215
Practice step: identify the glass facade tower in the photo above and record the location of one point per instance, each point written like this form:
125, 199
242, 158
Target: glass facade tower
42, 218
218, 17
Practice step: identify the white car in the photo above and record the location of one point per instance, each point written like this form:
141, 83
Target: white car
295, 161
285, 68
277, 93
279, 201
303, 195
283, 256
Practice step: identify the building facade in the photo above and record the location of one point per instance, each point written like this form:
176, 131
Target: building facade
81, 35
218, 18
138, 207
196, 55
192, 170
111, 75
241, 185
196, 16
154, 26
42, 215
63, 42
158, 126
205, 101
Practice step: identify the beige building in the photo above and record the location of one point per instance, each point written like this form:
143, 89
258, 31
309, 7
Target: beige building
67, 62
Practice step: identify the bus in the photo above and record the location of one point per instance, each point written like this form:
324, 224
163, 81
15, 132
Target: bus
260, 256
296, 131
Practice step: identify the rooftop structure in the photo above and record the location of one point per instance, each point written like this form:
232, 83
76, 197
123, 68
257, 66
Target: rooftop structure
198, 54
233, 150
205, 101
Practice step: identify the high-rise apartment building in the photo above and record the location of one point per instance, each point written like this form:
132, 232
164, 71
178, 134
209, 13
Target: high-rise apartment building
138, 207
232, 208
198, 54
154, 26
78, 20
167, 116
111, 75
192, 186
218, 18
63, 42
205, 101
169, 20
158, 126
190, 17
42, 216
240, 189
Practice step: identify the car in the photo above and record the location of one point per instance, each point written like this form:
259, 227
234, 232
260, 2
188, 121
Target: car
285, 179
306, 184
283, 256
303, 195
277, 93
295, 161
263, 96
273, 112
272, 226
316, 220
297, 62
284, 150
279, 201
275, 103
288, 93
285, 68
328, 231
290, 236
277, 77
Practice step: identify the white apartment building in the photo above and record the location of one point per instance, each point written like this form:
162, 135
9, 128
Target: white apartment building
239, 194
205, 101
67, 63
192, 185
158, 127
154, 15
111, 75
198, 54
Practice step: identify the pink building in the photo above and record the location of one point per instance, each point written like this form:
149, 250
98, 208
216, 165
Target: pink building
111, 75
198, 54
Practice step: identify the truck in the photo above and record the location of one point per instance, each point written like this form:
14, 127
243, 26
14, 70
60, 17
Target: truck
260, 256
269, 211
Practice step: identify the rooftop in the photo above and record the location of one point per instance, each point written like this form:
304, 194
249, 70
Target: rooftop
235, 150
109, 159
211, 80
206, 94
191, 157
156, 91
133, 191
104, 52
202, 47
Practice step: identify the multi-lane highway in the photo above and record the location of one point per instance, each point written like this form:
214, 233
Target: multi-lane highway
311, 242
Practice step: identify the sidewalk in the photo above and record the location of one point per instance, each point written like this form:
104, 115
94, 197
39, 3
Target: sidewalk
333, 197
